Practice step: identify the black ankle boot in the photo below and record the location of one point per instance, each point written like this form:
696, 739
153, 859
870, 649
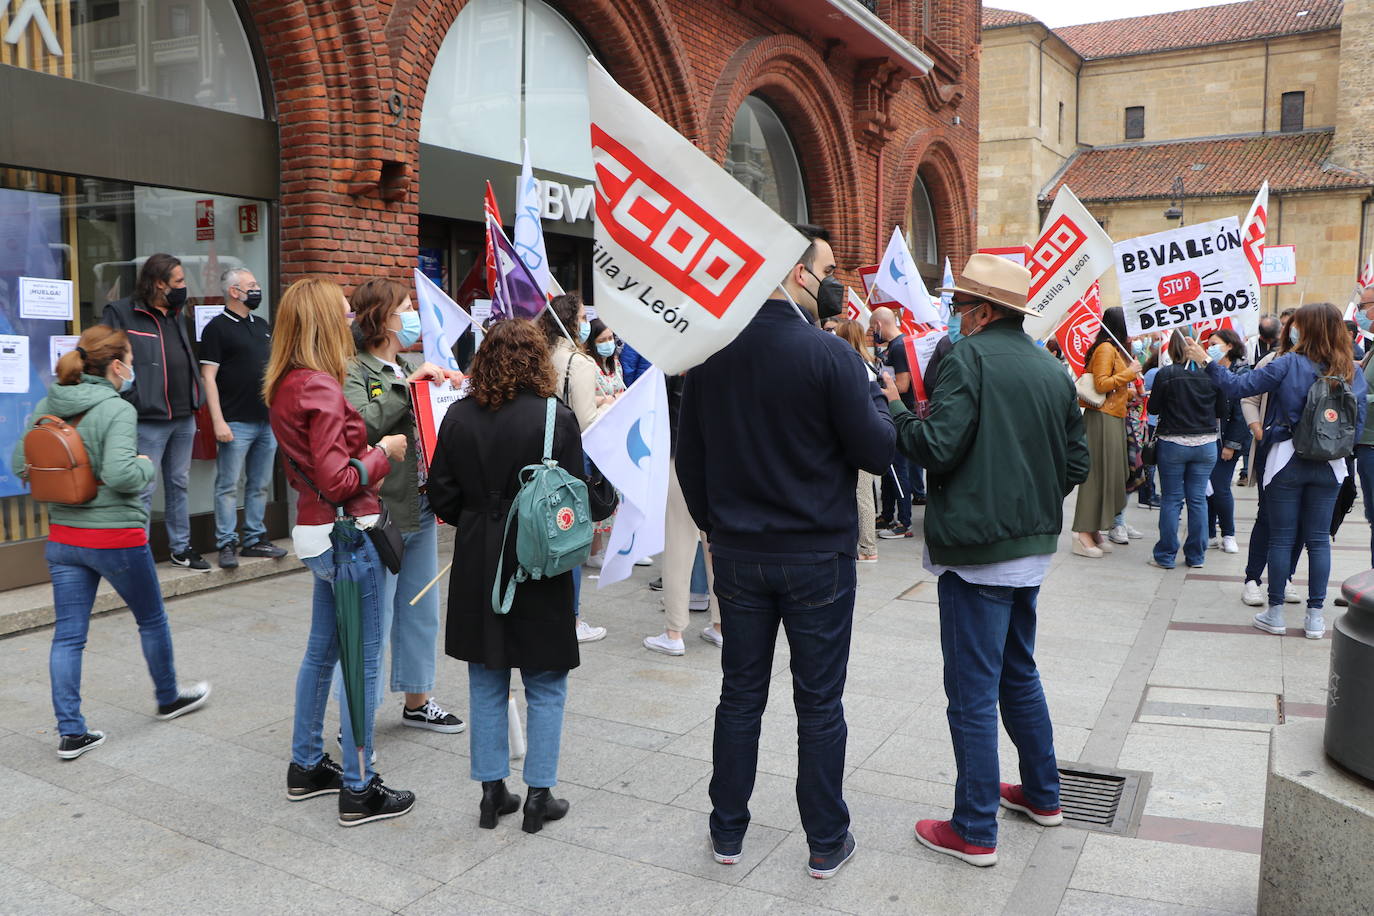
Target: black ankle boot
496, 801
541, 806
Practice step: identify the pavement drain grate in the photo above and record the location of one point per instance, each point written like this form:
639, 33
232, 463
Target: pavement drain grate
1104, 800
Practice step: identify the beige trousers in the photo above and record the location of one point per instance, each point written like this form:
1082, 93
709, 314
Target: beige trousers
868, 512
680, 539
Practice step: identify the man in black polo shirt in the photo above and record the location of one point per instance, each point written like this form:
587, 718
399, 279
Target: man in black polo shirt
233, 354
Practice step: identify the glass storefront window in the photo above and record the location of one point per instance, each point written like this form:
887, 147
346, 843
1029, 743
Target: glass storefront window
921, 231
97, 234
763, 159
192, 51
509, 69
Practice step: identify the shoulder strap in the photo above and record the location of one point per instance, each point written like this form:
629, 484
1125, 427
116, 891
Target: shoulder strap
567, 379
338, 507
548, 428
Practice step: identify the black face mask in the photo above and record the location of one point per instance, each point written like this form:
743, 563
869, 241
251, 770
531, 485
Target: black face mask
253, 298
830, 299
176, 298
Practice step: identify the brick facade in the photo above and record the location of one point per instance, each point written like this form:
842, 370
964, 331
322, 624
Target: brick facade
349, 76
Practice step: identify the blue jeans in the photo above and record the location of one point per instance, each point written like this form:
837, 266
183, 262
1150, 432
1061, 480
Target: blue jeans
1364, 467
699, 584
987, 636
814, 603
489, 728
360, 563
1299, 502
1221, 505
168, 443
1183, 474
252, 450
897, 497
76, 571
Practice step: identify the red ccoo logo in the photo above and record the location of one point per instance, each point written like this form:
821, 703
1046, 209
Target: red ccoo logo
671, 234
1053, 251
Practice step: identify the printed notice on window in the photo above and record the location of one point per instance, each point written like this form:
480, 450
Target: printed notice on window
41, 298
14, 364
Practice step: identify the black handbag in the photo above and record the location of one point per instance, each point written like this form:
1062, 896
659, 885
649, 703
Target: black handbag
385, 536
602, 498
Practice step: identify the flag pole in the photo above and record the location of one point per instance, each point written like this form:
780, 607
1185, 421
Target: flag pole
432, 582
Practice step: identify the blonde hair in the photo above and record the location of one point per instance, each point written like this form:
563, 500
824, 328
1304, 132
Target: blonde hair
308, 332
98, 347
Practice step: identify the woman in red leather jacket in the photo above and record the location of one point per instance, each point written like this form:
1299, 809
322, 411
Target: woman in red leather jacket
323, 443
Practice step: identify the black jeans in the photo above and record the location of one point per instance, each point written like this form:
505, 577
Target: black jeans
814, 602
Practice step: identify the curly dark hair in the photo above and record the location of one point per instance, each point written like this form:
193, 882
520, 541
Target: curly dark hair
513, 358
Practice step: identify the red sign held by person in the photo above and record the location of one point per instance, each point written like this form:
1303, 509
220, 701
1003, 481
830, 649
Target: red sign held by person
1080, 328
1177, 288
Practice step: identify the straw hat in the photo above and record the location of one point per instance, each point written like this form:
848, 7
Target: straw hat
996, 279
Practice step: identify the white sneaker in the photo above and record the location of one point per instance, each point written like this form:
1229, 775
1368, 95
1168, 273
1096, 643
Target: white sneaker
1118, 535
644, 562
1133, 533
1253, 594
1314, 627
662, 643
1271, 621
1229, 545
714, 637
1290, 595
588, 633
1213, 543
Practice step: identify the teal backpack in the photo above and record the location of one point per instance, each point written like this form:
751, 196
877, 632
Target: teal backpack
553, 523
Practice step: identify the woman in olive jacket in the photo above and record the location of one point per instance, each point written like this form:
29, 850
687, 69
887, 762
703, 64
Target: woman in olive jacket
484, 442
104, 538
378, 386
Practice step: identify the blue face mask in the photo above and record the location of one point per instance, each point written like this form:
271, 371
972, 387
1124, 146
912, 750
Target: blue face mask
127, 384
1362, 319
1138, 345
955, 321
605, 349
410, 328
584, 330
1215, 352
1293, 336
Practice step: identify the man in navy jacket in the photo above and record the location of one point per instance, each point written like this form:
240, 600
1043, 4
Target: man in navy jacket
772, 431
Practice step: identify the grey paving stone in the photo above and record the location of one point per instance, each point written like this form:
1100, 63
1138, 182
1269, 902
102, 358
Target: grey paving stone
36, 756
191, 816
1218, 879
25, 895
1087, 903
741, 901
1202, 774
659, 777
446, 901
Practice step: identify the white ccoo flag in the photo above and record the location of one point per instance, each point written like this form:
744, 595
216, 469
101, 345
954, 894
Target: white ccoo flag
897, 276
1068, 257
684, 255
630, 444
442, 322
529, 232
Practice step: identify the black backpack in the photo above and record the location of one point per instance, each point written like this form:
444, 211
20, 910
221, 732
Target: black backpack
1327, 429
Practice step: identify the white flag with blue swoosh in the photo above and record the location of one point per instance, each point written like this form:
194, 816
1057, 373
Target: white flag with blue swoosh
630, 444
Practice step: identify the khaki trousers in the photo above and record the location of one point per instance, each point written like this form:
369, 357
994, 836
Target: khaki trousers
680, 539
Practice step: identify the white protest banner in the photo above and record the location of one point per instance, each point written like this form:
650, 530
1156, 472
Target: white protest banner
1280, 265
430, 402
684, 254
1184, 276
630, 443
45, 299
1068, 257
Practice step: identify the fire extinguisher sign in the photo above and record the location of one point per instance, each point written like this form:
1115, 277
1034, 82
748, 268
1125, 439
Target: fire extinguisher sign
205, 221
248, 219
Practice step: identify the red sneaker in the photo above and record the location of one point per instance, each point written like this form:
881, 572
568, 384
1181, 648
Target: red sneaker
1015, 799
941, 837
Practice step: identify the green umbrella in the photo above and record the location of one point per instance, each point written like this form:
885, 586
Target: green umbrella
348, 618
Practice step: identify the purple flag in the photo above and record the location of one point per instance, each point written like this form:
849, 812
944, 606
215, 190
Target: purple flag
516, 294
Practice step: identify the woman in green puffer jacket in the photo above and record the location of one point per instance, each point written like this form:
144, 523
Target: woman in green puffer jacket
105, 538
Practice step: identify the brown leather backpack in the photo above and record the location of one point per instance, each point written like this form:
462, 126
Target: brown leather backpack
56, 463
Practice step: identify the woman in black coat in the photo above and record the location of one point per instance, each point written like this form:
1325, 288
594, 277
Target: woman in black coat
484, 442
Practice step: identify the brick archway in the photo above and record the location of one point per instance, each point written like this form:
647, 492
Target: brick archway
790, 74
929, 155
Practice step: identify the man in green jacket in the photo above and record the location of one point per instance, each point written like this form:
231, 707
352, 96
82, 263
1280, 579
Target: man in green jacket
1003, 447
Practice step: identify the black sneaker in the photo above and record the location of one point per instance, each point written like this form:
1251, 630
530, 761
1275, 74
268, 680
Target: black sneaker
896, 531
881, 522
656, 585
918, 499
727, 853
190, 560
324, 778
374, 803
433, 717
228, 557
263, 548
827, 866
189, 699
73, 746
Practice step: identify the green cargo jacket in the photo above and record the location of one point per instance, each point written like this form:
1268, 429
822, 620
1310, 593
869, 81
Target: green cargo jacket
1002, 447
384, 401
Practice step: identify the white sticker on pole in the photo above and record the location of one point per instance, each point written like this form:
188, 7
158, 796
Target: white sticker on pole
1184, 276
684, 254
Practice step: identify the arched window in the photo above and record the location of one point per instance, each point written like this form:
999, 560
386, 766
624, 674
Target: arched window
192, 51
763, 159
509, 69
921, 229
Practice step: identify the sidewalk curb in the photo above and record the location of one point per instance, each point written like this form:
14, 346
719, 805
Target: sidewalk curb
31, 607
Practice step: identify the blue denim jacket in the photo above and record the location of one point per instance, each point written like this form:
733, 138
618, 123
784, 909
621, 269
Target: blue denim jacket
1235, 433
1286, 380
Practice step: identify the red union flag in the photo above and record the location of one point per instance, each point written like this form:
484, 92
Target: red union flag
1068, 257
1367, 272
1080, 328
684, 255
